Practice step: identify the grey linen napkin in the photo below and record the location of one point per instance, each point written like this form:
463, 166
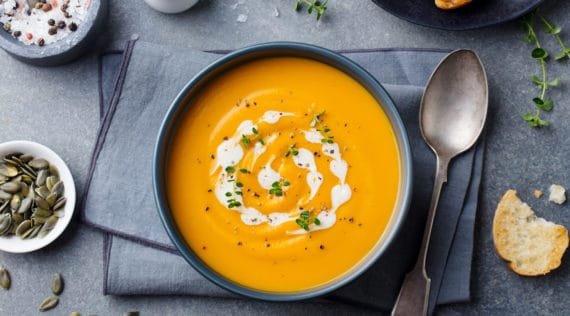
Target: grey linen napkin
137, 88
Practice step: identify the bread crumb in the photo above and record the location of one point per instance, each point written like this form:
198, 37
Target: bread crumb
557, 194
537, 194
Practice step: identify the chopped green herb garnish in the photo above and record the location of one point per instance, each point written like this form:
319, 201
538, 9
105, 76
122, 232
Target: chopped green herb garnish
239, 184
317, 122
316, 119
233, 203
245, 141
230, 169
254, 130
243, 170
305, 219
277, 187
228, 193
292, 151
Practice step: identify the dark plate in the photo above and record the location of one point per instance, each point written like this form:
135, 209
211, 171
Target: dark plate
478, 14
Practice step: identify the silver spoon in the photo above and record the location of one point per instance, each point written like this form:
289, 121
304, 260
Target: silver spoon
452, 116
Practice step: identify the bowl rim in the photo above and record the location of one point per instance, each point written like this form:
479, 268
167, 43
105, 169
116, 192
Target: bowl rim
29, 245
309, 51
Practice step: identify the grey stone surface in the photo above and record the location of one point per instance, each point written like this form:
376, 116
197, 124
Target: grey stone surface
43, 104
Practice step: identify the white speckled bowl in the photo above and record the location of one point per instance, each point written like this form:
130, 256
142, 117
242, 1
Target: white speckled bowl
64, 50
16, 245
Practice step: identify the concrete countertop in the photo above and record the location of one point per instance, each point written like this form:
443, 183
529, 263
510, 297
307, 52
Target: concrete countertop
44, 105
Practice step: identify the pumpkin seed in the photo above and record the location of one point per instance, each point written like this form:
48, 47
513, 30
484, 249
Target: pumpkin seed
49, 303
39, 163
50, 181
57, 284
59, 203
26, 157
42, 176
25, 205
43, 192
4, 278
53, 170
51, 199
23, 227
41, 203
4, 205
24, 190
75, 314
15, 202
58, 188
5, 195
11, 187
48, 226
42, 212
34, 231
8, 170
5, 223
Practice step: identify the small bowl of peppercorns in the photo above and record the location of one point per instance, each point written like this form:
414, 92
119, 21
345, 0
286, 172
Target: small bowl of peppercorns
50, 32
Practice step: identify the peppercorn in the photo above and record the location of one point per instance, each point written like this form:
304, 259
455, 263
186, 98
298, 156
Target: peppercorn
64, 7
51, 22
17, 33
46, 7
61, 24
73, 27
41, 42
52, 30
38, 5
67, 15
7, 27
29, 36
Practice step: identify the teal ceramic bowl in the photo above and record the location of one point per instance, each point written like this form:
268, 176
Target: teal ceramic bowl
248, 54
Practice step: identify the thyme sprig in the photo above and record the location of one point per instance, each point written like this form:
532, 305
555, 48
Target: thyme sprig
305, 219
540, 55
555, 31
318, 6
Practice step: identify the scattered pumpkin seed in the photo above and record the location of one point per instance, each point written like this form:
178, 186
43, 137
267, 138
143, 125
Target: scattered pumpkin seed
49, 303
4, 278
57, 284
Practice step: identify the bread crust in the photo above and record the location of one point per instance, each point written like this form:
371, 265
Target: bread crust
531, 245
451, 4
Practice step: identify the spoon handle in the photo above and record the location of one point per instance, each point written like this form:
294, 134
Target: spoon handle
414, 293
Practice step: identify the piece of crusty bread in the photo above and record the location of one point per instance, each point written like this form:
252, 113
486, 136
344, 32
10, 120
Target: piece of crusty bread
450, 4
532, 245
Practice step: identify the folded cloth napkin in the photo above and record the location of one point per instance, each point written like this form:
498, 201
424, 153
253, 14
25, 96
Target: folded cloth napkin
137, 87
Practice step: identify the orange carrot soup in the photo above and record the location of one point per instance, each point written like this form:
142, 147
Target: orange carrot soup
283, 174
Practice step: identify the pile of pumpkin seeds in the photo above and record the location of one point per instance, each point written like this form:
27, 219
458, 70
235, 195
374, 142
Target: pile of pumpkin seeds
31, 196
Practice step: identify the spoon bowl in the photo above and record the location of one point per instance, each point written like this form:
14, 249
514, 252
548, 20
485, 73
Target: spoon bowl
454, 105
452, 116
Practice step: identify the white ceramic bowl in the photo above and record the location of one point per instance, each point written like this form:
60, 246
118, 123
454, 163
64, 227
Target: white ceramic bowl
13, 243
